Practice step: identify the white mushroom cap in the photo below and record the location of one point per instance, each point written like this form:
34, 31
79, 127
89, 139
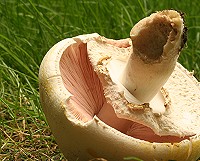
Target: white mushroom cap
72, 96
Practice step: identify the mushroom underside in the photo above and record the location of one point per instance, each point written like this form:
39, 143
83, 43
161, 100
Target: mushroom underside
88, 98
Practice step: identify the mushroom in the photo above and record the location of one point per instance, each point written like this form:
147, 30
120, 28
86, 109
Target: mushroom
112, 99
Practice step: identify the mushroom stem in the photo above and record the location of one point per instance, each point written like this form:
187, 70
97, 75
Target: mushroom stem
156, 41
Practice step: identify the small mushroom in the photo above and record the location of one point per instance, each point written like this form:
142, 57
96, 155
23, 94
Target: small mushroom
112, 99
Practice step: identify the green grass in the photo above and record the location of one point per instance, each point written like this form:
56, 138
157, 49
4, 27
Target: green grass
29, 28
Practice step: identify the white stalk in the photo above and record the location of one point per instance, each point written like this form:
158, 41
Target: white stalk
157, 41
